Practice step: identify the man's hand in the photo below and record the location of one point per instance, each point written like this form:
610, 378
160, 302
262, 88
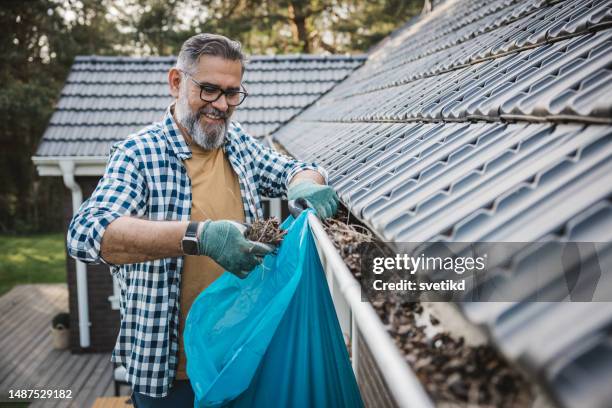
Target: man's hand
224, 242
322, 198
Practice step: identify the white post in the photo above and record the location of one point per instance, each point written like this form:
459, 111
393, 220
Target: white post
275, 208
67, 168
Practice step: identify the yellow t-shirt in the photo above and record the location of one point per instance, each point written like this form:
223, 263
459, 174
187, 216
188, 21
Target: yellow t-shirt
215, 195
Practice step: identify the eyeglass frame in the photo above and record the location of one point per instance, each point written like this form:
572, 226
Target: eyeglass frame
222, 91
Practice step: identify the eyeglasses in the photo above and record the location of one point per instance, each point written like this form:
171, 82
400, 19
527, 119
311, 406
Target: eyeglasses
212, 93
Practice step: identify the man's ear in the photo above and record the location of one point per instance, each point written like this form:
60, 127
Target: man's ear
174, 81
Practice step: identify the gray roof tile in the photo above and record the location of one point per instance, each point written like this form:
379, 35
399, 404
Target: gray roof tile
568, 79
107, 98
488, 122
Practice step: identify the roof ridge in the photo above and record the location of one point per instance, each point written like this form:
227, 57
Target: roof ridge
251, 58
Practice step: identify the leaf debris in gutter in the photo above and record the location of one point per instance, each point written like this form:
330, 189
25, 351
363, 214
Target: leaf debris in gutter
451, 371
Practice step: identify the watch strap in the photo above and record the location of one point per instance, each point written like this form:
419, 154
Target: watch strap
190, 244
192, 229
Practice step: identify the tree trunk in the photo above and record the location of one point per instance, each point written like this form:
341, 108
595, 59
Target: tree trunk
298, 18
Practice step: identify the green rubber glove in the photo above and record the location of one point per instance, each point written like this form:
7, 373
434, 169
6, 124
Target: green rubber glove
323, 199
225, 243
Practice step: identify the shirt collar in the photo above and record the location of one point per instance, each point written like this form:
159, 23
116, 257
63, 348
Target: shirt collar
174, 136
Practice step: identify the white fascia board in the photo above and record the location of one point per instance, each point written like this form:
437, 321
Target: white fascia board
83, 166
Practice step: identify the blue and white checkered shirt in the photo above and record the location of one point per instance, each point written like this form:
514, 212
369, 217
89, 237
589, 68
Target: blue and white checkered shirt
145, 177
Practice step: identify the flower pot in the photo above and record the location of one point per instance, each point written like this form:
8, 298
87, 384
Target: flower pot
61, 337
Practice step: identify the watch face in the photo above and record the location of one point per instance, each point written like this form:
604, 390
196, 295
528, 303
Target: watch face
190, 247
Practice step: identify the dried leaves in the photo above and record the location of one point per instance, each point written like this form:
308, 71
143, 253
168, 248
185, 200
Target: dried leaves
451, 371
266, 231
347, 238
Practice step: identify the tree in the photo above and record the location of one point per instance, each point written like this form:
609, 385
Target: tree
44, 37
265, 26
306, 26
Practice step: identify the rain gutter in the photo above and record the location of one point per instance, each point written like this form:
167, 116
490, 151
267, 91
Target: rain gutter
362, 319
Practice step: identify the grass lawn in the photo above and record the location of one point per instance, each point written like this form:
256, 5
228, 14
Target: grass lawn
31, 259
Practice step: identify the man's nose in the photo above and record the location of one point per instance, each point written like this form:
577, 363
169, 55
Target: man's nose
221, 104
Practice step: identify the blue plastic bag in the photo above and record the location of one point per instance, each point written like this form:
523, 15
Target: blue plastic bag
272, 339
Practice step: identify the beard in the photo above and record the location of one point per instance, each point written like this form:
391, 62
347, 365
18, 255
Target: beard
208, 136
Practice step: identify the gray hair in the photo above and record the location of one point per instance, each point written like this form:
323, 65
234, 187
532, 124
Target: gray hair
208, 44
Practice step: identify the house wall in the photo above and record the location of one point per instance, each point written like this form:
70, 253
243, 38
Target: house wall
374, 390
104, 320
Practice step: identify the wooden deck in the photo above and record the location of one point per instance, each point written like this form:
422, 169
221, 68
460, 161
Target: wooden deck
27, 357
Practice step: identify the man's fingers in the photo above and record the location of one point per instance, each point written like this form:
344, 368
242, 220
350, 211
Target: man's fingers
241, 274
325, 211
320, 210
240, 269
335, 201
250, 256
330, 209
240, 226
249, 263
334, 209
259, 249
253, 261
243, 270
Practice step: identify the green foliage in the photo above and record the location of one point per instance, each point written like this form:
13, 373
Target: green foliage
37, 55
264, 27
302, 26
44, 36
31, 259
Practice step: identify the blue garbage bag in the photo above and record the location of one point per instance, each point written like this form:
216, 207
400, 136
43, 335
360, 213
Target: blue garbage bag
272, 339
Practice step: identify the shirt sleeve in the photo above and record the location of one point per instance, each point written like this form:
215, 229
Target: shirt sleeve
273, 170
121, 191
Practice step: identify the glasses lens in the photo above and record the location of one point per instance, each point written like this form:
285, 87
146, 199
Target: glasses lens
234, 98
210, 94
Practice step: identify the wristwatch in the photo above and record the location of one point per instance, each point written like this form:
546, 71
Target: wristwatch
190, 243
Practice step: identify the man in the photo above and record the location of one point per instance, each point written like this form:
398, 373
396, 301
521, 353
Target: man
164, 216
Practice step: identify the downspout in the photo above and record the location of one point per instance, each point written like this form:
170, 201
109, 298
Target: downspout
67, 168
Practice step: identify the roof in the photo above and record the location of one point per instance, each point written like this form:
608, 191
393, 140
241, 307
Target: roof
107, 98
488, 121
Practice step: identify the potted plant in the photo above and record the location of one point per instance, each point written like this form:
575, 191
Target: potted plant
60, 330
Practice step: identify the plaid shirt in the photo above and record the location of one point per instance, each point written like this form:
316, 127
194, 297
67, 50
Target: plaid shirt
145, 178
